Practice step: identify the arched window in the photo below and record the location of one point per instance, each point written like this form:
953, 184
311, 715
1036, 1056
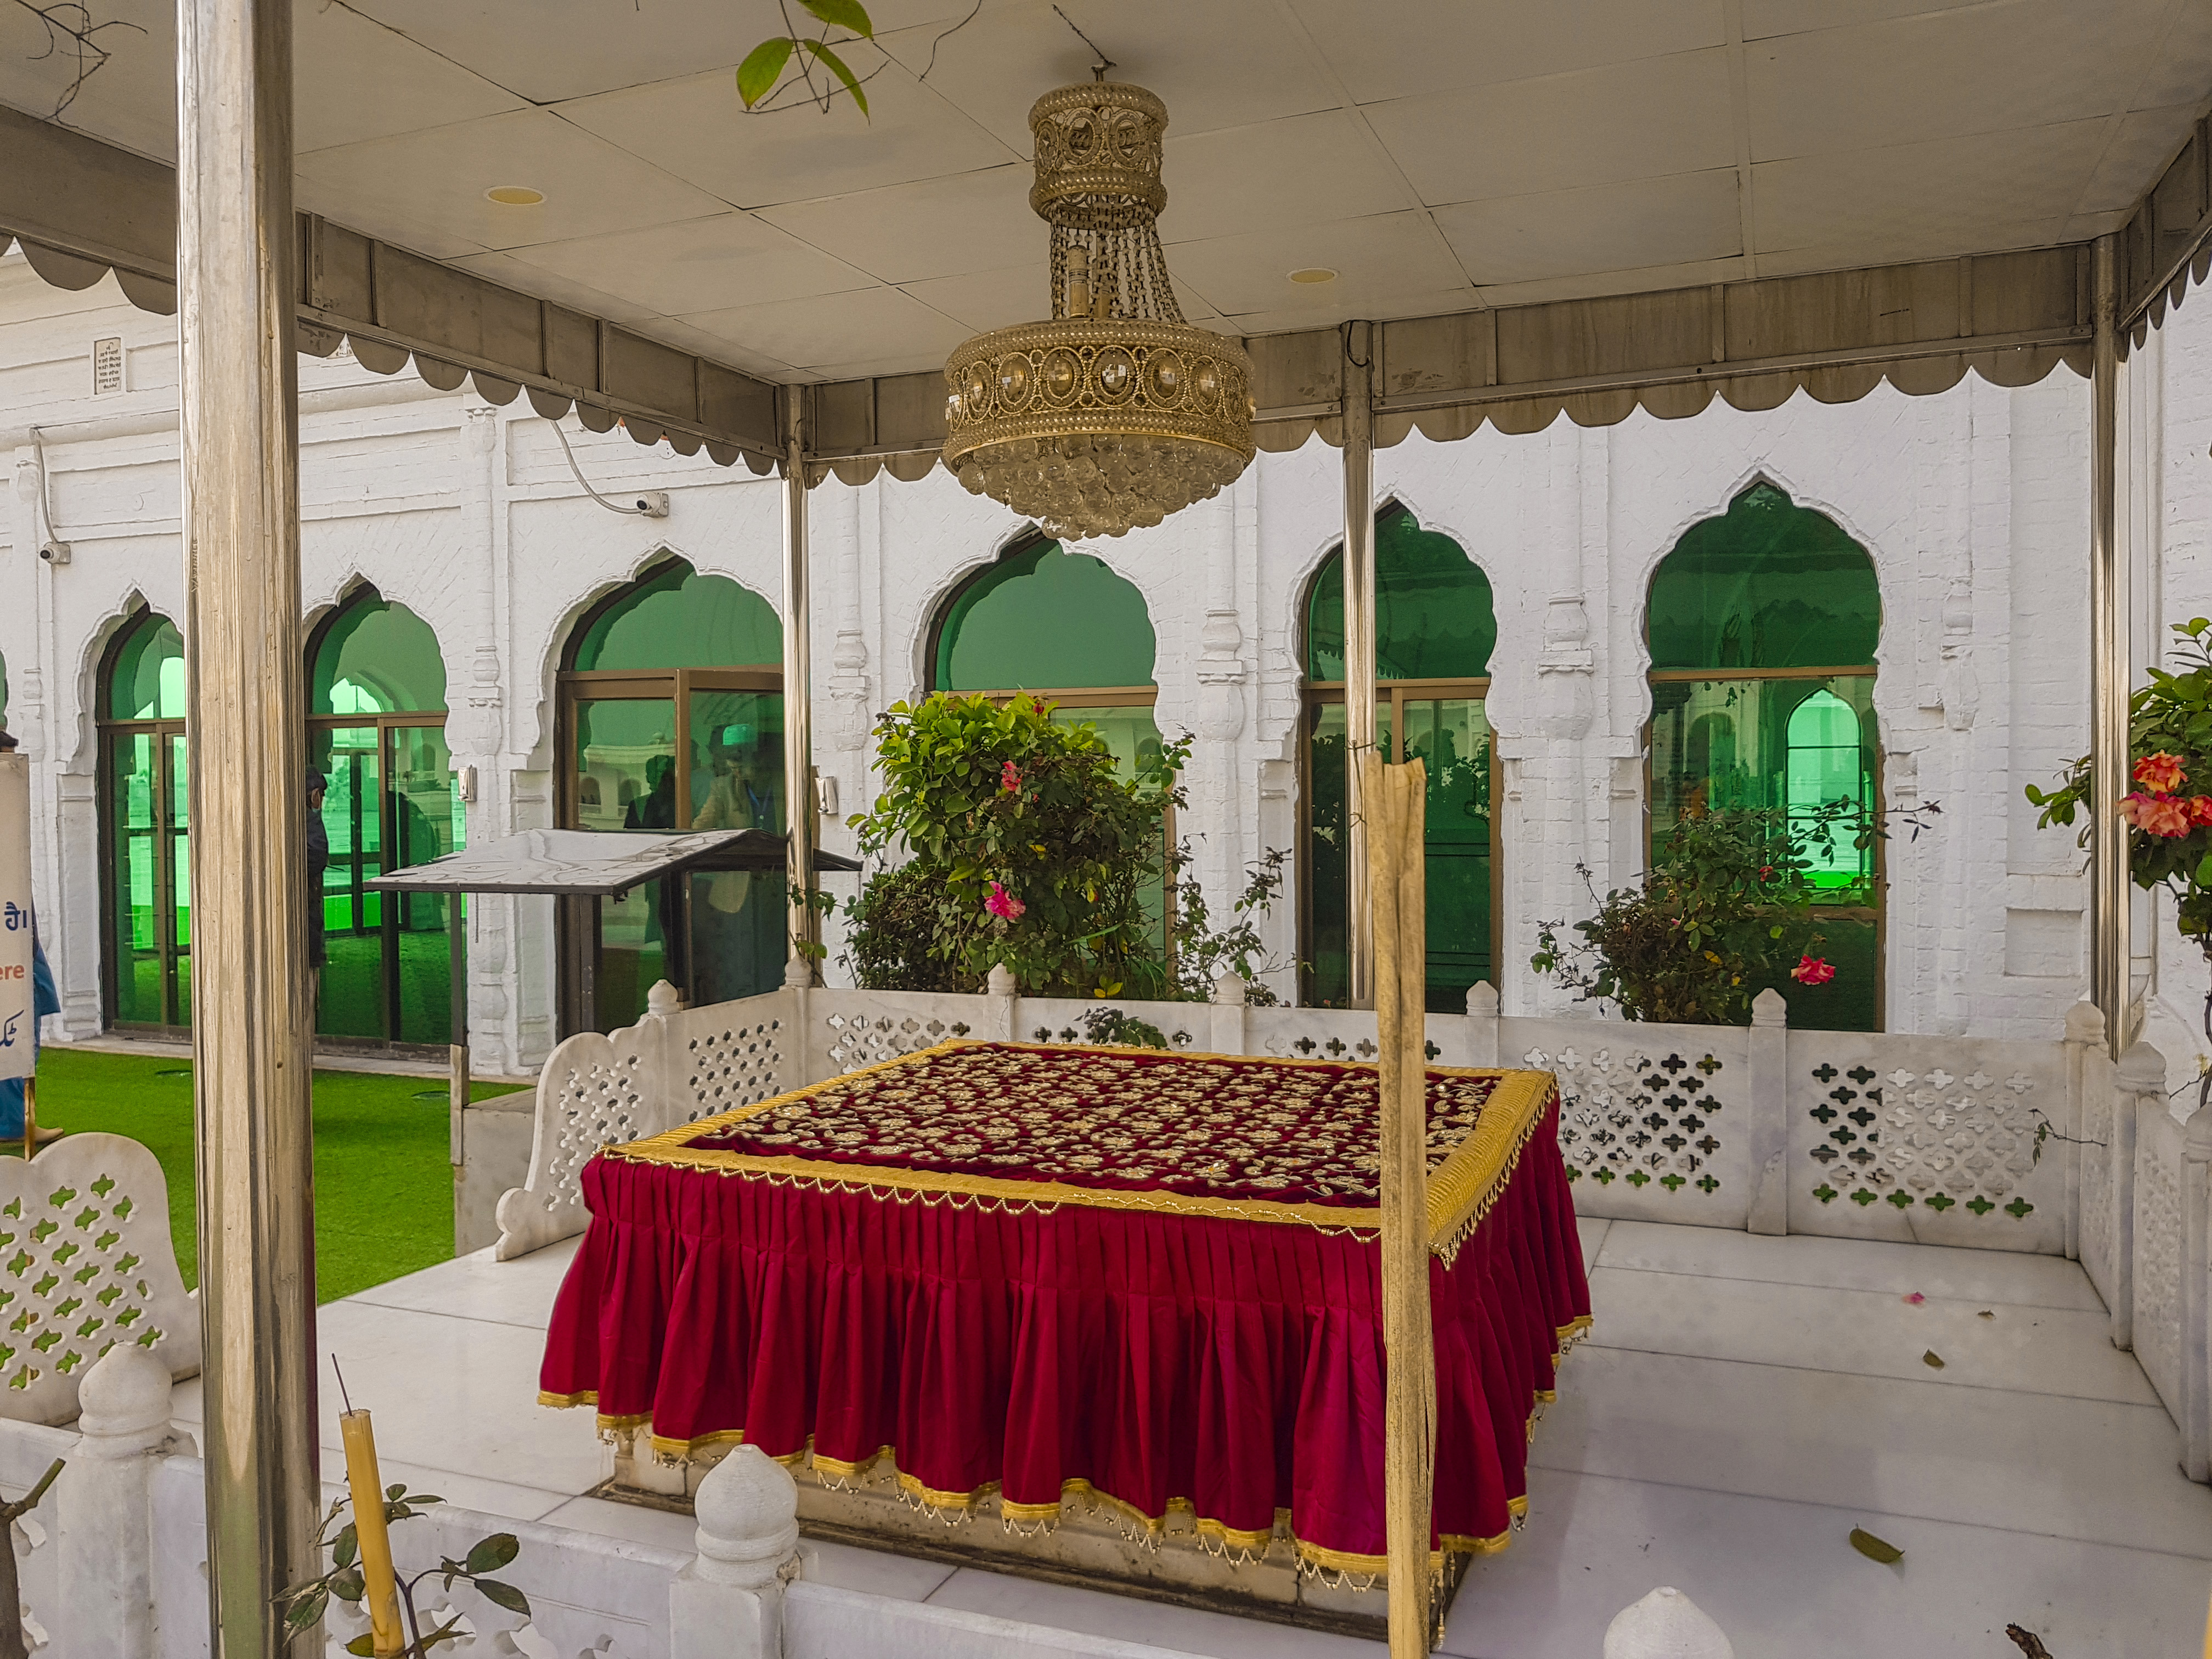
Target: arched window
1435, 629
376, 732
1763, 624
1064, 629
146, 868
672, 717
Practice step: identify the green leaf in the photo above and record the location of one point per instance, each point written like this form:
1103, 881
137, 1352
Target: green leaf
1875, 1549
396, 1490
505, 1596
844, 14
821, 49
308, 1608
347, 1586
346, 1549
493, 1554
364, 1644
762, 67
1933, 1361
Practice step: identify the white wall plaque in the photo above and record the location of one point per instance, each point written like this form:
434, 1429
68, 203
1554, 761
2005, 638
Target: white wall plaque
106, 367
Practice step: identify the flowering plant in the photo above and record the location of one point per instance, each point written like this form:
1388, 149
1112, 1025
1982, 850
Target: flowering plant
2170, 732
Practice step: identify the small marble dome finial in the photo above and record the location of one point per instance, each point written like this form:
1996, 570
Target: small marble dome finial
125, 1389
1665, 1624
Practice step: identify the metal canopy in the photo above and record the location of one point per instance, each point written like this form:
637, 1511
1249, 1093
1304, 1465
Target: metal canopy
593, 863
1626, 205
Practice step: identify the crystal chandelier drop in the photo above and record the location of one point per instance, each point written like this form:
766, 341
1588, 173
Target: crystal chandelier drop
1116, 412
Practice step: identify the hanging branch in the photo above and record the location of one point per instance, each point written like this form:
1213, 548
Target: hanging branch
760, 78
79, 40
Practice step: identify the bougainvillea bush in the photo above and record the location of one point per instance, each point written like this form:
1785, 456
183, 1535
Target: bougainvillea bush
2170, 811
1726, 908
1023, 843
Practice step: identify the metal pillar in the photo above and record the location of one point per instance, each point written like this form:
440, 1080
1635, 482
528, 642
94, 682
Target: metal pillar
247, 733
1359, 647
798, 693
2109, 668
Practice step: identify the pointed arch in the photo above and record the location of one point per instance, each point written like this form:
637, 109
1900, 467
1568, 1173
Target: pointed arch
671, 717
145, 828
1763, 626
1436, 629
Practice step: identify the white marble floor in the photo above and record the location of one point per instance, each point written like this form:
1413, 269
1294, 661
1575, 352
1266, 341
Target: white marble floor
1741, 1405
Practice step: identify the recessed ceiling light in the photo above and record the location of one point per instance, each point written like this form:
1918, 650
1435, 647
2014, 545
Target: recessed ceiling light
1314, 274
514, 196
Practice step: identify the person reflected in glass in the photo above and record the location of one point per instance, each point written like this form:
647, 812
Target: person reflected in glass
726, 939
318, 860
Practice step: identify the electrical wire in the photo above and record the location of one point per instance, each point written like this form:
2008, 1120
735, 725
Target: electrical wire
612, 506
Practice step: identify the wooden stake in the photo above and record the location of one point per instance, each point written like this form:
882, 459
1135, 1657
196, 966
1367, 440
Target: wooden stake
1395, 799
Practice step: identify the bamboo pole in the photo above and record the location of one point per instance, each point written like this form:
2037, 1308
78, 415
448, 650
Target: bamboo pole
1395, 798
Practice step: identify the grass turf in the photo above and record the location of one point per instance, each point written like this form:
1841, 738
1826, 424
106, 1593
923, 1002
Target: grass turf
384, 1190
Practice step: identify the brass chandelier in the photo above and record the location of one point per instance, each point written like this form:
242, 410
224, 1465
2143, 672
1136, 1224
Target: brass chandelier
1116, 412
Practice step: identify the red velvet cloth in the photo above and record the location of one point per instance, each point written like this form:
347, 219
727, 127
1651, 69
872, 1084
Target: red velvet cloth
1235, 1363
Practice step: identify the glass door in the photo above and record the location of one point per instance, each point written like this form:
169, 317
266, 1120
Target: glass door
149, 878
352, 1001
428, 820
1451, 737
734, 781
622, 774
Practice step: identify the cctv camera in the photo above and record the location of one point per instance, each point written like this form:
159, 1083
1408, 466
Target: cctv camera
654, 504
55, 552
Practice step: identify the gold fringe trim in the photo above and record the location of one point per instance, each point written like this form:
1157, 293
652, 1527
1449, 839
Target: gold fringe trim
1462, 1190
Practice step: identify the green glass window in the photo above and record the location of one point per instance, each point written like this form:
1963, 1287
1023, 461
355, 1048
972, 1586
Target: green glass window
1750, 616
376, 682
146, 867
1433, 616
1767, 585
675, 618
376, 658
1435, 628
1044, 619
146, 677
672, 717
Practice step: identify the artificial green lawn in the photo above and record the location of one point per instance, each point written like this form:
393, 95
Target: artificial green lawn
384, 1190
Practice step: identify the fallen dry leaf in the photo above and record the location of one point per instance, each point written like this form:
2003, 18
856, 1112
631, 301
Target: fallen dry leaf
1933, 1361
1875, 1549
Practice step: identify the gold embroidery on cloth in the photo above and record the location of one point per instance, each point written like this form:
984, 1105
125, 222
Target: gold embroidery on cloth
1462, 1187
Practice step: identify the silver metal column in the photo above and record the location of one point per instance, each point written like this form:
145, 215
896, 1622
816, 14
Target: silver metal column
2109, 670
797, 689
1358, 647
247, 736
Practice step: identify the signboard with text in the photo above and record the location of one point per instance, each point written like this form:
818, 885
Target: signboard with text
19, 1022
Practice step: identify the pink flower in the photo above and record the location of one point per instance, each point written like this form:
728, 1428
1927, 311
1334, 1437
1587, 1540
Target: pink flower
2200, 809
1004, 904
1811, 970
1010, 778
2161, 774
1915, 1299
2156, 815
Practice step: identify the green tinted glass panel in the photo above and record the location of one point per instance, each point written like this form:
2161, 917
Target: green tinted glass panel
377, 658
4, 690
427, 822
149, 680
624, 776
353, 1002
737, 762
1451, 736
141, 930
180, 884
677, 618
1134, 736
1797, 745
1047, 619
1768, 585
1433, 616
1327, 971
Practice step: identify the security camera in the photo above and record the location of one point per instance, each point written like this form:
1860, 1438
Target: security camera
654, 504
54, 552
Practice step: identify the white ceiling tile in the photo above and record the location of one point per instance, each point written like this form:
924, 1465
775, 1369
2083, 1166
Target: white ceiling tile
1399, 48
1643, 120
355, 79
2034, 62
1215, 63
1763, 18
1409, 303
696, 129
698, 265
436, 178
1374, 258
969, 221
1951, 195
557, 49
863, 368
836, 328
130, 100
1302, 167
1647, 222
2180, 70
2137, 149
1650, 279
981, 301
540, 283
